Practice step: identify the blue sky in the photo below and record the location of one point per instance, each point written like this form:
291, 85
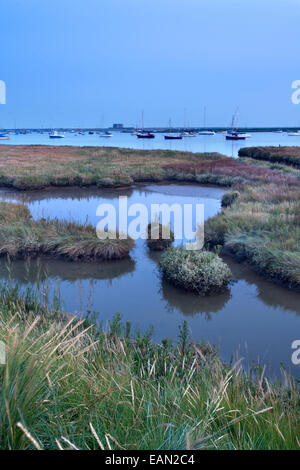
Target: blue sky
94, 62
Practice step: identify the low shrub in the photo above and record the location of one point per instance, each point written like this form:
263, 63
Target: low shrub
229, 198
202, 272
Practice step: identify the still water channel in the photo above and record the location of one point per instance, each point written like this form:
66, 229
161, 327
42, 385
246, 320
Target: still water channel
253, 318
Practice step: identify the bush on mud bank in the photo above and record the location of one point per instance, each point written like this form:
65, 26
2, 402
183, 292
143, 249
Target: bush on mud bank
202, 272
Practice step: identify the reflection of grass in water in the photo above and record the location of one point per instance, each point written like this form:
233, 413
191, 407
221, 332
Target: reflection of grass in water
46, 277
269, 293
67, 384
191, 304
27, 272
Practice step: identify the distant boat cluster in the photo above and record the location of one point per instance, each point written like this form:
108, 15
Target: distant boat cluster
145, 134
142, 133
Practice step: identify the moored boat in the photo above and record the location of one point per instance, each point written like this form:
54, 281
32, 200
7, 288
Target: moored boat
294, 134
235, 136
145, 135
206, 132
188, 134
106, 134
171, 136
56, 135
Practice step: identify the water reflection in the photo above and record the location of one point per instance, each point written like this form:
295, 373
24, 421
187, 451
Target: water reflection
29, 272
190, 304
69, 193
270, 293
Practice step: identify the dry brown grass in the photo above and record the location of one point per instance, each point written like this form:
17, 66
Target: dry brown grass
232, 168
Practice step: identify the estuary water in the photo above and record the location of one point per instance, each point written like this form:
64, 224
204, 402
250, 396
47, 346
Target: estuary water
200, 143
253, 318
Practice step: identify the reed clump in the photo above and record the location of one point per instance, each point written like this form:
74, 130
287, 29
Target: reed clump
159, 237
202, 272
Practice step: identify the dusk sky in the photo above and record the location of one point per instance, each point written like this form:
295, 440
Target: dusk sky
75, 63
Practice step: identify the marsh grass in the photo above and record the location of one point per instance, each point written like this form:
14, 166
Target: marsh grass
229, 198
262, 227
22, 237
285, 155
27, 167
69, 384
228, 172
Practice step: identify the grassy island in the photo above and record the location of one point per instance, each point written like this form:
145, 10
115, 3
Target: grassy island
22, 237
202, 272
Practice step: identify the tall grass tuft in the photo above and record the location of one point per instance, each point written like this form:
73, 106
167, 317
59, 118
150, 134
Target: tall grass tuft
159, 237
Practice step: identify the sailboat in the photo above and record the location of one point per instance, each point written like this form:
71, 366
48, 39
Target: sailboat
294, 134
171, 136
144, 134
56, 135
106, 134
186, 133
205, 131
235, 135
